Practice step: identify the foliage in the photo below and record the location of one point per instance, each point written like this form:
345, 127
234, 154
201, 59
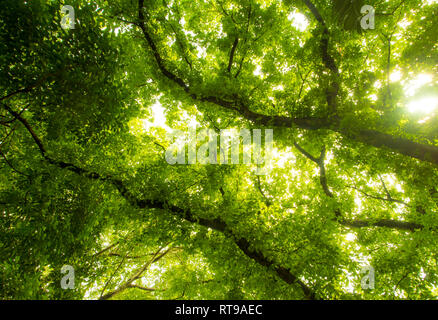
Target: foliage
84, 181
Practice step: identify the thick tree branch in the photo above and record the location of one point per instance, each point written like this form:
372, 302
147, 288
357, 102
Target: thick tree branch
370, 137
233, 49
327, 59
184, 213
180, 82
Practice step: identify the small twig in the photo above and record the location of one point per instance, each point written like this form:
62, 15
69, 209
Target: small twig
377, 197
12, 167
384, 187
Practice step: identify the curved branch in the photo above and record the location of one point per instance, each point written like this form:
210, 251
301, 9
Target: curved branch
11, 166
185, 213
374, 138
357, 223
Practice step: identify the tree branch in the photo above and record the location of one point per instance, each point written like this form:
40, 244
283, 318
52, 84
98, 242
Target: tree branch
106, 249
185, 213
377, 197
320, 162
11, 166
233, 49
370, 137
327, 59
259, 187
137, 275
357, 223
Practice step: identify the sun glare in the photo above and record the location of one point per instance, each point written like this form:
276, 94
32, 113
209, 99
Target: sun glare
158, 117
350, 237
424, 105
395, 76
299, 21
413, 85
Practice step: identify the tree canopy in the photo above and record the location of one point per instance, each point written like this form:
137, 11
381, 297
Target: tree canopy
85, 117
